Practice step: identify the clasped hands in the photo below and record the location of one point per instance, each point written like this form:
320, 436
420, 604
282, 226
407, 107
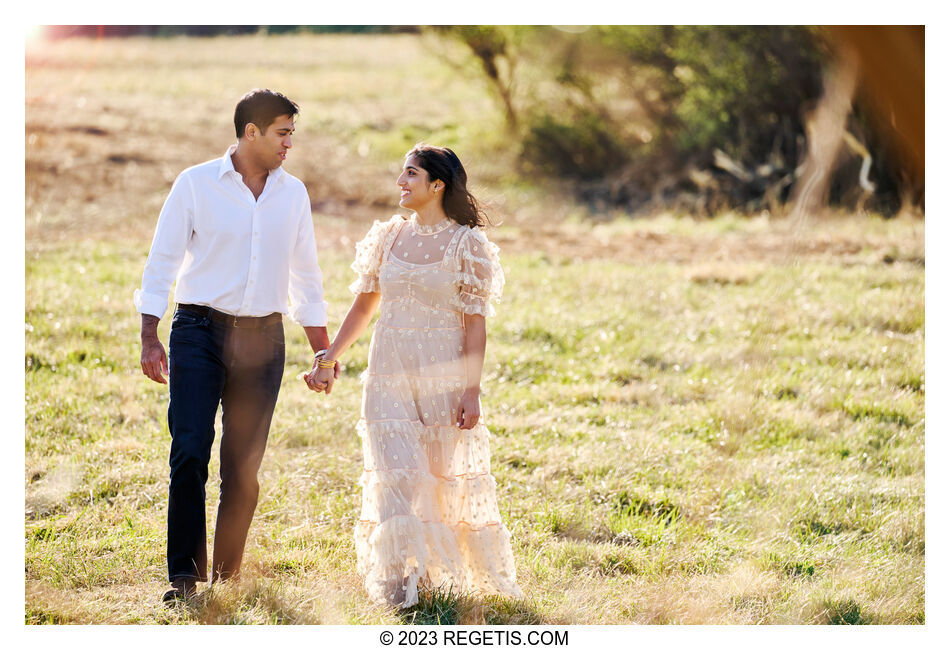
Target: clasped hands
321, 380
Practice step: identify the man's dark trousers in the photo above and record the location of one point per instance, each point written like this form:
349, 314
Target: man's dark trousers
214, 359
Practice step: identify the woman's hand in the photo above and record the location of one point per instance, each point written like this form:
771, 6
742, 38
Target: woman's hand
469, 411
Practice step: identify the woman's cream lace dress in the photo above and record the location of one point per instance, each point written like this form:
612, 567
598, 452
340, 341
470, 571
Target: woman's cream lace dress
429, 511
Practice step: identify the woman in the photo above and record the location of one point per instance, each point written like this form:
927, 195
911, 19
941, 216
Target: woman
429, 512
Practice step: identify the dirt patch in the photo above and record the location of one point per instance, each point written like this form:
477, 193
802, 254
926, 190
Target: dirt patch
717, 258
781, 246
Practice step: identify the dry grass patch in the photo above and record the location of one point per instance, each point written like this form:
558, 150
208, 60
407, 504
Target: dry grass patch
702, 421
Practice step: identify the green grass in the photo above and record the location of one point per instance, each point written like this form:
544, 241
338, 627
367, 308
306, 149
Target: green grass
637, 439
680, 435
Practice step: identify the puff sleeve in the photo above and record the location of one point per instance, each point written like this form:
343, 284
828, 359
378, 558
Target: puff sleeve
369, 256
479, 275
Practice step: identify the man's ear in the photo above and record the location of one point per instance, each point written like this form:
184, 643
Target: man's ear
250, 130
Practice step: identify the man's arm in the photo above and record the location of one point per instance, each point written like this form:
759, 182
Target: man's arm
174, 229
164, 258
307, 305
318, 337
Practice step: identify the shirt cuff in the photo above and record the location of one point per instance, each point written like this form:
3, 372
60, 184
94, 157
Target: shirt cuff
147, 303
312, 314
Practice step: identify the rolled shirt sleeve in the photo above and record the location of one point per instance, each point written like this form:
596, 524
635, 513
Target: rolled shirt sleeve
307, 305
175, 223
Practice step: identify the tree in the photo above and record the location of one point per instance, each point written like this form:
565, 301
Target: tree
635, 115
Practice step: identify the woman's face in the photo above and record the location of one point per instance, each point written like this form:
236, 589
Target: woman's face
415, 189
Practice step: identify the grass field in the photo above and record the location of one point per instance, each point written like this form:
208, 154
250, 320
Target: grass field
714, 421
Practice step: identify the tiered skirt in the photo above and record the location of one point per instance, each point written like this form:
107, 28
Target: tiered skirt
429, 512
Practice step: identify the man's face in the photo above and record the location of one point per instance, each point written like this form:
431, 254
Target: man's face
271, 146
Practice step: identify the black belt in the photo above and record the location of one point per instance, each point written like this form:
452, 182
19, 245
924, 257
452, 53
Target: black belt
253, 322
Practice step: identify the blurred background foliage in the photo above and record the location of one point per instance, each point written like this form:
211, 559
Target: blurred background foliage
701, 118
697, 119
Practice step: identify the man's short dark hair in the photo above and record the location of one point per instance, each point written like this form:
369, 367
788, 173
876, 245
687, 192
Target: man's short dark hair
261, 107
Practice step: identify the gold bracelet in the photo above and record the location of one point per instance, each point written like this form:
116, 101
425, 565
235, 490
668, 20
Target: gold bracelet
324, 363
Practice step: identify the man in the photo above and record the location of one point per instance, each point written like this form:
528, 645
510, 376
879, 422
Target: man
237, 234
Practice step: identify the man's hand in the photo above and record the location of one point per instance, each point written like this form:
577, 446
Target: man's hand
154, 361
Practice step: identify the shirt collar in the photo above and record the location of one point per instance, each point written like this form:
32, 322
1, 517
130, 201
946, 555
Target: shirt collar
228, 166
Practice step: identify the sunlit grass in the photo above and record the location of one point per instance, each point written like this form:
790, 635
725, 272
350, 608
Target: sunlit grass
694, 421
653, 436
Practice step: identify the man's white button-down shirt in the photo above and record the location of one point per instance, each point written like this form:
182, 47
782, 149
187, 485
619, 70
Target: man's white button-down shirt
228, 251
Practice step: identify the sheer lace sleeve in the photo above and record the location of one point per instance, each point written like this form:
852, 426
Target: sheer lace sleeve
369, 256
479, 274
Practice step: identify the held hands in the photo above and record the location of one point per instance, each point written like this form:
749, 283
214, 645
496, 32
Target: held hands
469, 410
321, 380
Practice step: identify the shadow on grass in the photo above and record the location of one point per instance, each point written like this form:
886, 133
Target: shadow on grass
847, 612
245, 602
511, 611
39, 616
441, 606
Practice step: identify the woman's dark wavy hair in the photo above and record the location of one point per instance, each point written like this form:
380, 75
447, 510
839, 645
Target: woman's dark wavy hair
442, 164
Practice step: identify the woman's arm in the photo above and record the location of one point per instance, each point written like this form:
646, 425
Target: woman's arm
473, 348
357, 319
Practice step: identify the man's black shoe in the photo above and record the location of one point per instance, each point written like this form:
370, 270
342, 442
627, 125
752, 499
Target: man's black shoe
177, 595
172, 597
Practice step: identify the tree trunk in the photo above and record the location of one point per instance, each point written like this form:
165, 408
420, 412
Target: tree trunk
825, 129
